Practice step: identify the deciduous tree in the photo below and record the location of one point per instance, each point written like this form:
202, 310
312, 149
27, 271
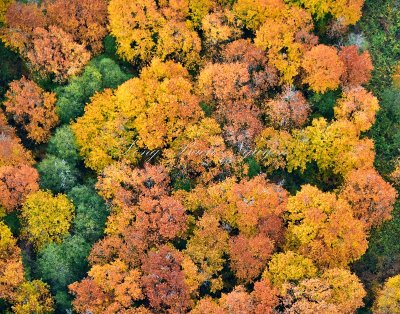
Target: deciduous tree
11, 268
286, 37
323, 68
388, 300
322, 227
32, 108
358, 66
46, 218
54, 53
16, 183
289, 110
163, 281
33, 297
110, 288
370, 197
85, 20
20, 20
358, 106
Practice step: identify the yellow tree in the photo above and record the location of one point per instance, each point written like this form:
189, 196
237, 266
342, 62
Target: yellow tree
286, 37
4, 4
148, 112
322, 228
388, 300
133, 24
254, 13
33, 297
46, 218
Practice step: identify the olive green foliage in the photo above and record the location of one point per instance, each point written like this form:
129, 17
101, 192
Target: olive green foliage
56, 174
100, 73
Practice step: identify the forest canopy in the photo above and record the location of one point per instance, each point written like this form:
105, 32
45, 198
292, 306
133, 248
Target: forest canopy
199, 156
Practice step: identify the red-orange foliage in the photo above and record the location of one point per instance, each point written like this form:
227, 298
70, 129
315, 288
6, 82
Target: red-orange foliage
12, 152
54, 52
358, 66
323, 68
11, 269
110, 288
371, 198
249, 255
21, 19
32, 108
234, 88
239, 301
163, 281
122, 184
265, 297
15, 184
85, 20
289, 110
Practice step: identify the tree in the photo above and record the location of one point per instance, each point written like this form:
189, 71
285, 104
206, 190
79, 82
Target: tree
91, 213
359, 106
33, 297
207, 247
163, 281
347, 12
109, 288
62, 264
219, 28
32, 108
254, 13
234, 89
265, 297
237, 301
249, 255
122, 185
84, 20
322, 227
56, 174
12, 153
201, 155
11, 268
4, 4
388, 299
289, 267
99, 135
370, 197
286, 37
323, 68
358, 66
100, 73
63, 145
336, 291
134, 25
46, 218
54, 53
148, 112
179, 43
289, 110
20, 20
16, 183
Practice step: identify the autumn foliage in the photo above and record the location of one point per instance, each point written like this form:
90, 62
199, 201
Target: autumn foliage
33, 108
213, 157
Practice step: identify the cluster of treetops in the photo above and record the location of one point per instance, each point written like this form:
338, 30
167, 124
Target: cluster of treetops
224, 92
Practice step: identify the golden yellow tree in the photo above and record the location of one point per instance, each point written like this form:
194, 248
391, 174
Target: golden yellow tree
46, 218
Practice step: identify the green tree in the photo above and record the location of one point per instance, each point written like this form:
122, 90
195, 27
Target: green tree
56, 174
